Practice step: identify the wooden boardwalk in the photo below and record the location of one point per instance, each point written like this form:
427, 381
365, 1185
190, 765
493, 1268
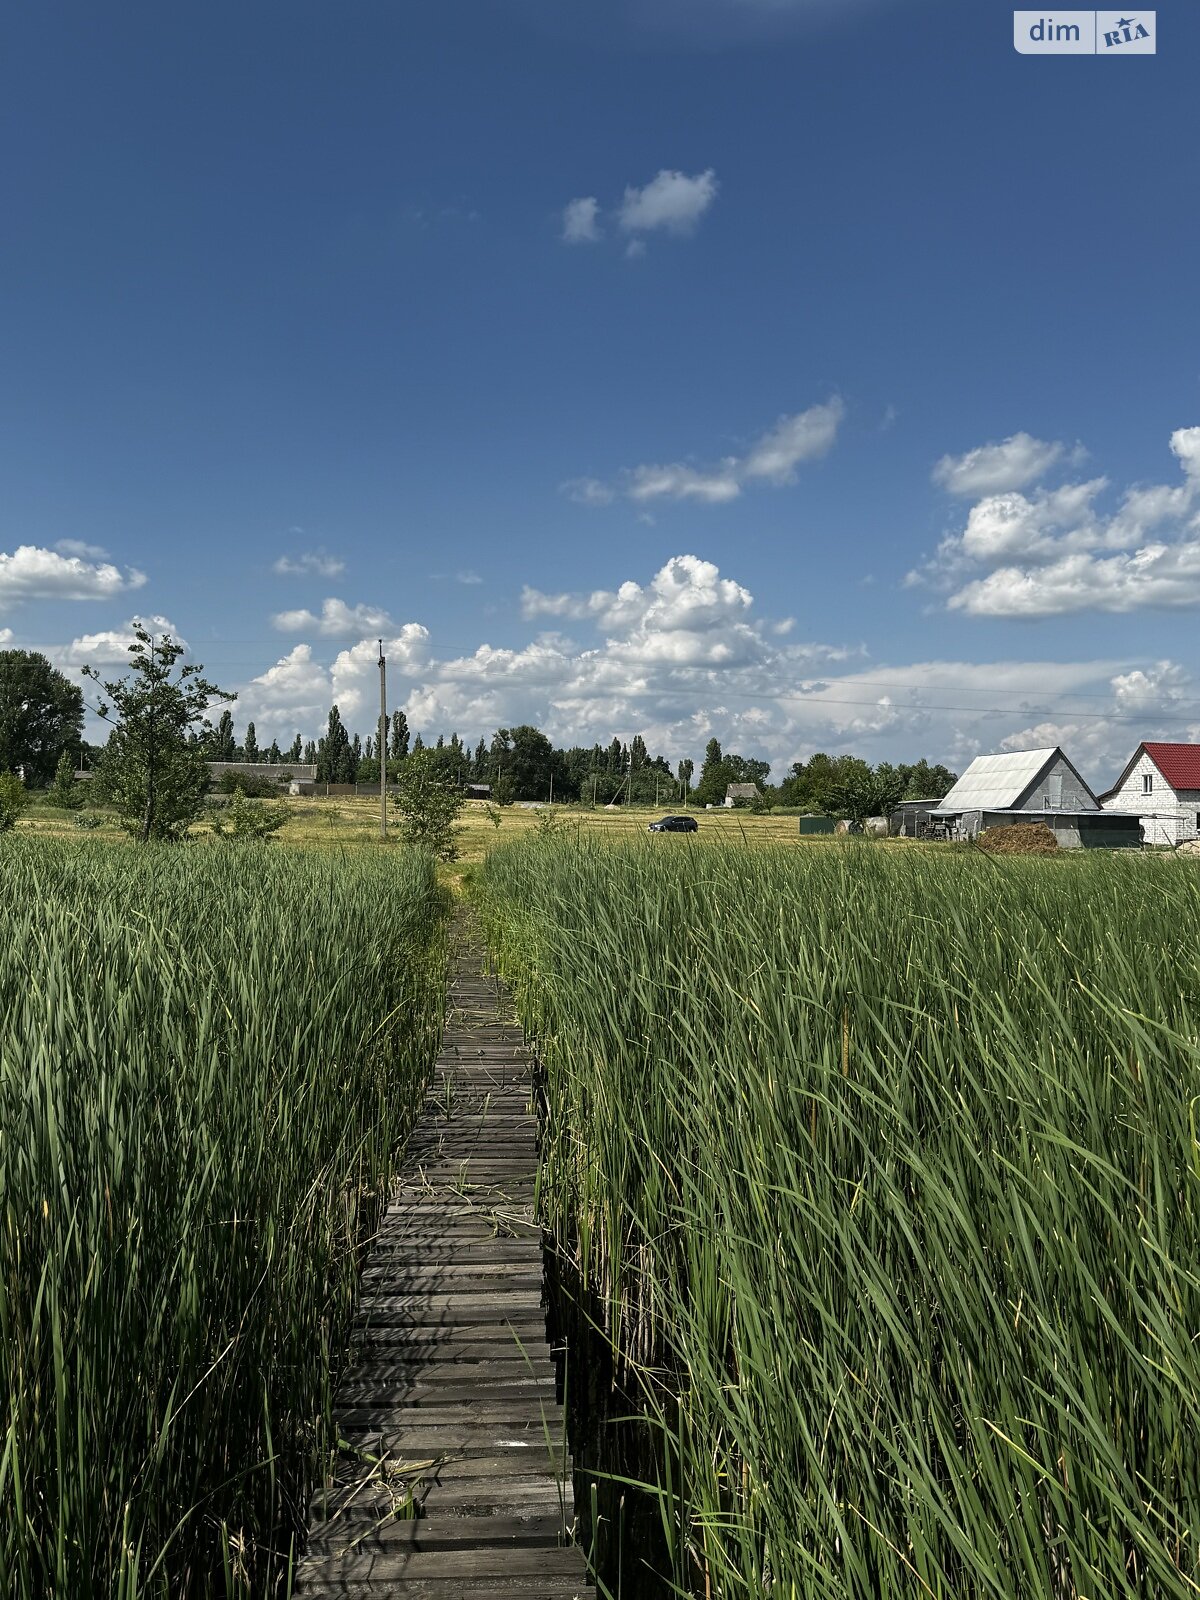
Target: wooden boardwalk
449, 1406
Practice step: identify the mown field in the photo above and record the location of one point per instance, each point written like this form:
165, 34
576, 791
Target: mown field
879, 1171
208, 1062
354, 823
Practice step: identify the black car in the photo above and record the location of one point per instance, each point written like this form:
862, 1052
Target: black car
673, 825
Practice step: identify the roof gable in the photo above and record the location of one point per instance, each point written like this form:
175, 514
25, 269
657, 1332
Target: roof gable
1178, 763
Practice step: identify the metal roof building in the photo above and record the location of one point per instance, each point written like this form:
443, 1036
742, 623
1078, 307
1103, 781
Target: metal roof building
1020, 780
1031, 786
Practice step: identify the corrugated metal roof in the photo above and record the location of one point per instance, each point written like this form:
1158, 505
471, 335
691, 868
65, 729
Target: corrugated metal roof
1178, 763
996, 783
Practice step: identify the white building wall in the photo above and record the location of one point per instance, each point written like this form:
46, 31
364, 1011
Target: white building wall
1168, 816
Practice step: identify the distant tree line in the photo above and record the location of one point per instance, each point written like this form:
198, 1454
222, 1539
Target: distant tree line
41, 736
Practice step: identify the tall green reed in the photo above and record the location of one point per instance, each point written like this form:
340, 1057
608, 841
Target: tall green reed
883, 1168
207, 1063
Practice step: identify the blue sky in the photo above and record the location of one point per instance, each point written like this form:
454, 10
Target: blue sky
815, 375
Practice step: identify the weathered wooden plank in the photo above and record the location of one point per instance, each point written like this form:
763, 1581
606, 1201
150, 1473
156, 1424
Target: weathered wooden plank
450, 1394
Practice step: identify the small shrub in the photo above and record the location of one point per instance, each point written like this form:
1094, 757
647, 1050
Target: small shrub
88, 820
64, 791
428, 803
248, 819
252, 788
13, 800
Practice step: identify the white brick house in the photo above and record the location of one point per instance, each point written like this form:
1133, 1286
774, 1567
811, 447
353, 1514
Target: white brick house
1161, 783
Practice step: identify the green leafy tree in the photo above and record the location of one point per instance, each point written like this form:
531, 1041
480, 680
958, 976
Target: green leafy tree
248, 819
41, 714
250, 750
153, 777
64, 791
398, 743
292, 753
923, 781
684, 773
428, 801
334, 754
13, 800
858, 792
221, 740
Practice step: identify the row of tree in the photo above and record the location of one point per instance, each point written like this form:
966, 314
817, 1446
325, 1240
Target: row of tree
153, 767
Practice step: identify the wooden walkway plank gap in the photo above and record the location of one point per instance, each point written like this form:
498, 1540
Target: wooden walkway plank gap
456, 1480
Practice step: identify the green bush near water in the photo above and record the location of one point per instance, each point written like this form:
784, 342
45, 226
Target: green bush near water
884, 1166
208, 1062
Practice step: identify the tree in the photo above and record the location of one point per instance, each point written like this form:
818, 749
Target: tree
64, 791
274, 753
530, 762
310, 753
13, 800
149, 772
250, 750
684, 773
859, 793
925, 782
398, 747
333, 751
292, 753
41, 715
222, 741
428, 802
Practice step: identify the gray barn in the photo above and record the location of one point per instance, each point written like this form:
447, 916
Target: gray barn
1029, 786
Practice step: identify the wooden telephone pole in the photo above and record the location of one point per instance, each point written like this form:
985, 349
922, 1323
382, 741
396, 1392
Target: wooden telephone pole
383, 743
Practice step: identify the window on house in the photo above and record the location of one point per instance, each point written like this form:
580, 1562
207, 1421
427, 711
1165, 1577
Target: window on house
1147, 783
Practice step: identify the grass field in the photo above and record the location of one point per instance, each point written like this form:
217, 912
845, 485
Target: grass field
209, 1061
880, 1169
355, 822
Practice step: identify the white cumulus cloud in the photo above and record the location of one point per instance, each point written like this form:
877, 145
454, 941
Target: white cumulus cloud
773, 458
1049, 552
581, 221
292, 696
33, 573
110, 646
78, 547
337, 620
671, 200
991, 468
310, 564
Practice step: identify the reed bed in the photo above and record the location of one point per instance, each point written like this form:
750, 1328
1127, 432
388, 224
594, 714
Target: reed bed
207, 1062
882, 1169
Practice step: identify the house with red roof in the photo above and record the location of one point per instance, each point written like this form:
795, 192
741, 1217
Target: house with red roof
1161, 783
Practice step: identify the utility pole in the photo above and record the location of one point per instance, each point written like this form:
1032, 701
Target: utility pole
383, 731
